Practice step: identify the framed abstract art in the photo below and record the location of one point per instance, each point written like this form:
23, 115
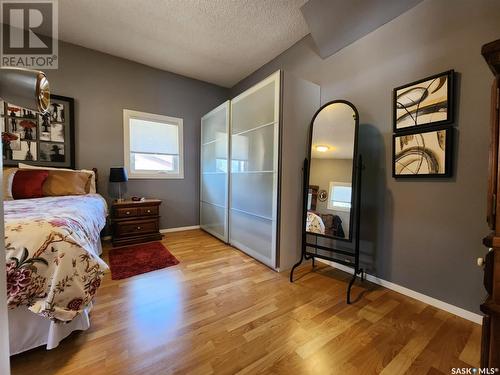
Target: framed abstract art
424, 103
425, 153
43, 140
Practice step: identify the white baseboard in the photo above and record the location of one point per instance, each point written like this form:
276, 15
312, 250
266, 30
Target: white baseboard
179, 229
473, 317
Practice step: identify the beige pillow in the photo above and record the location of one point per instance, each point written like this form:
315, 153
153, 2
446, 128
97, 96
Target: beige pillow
8, 177
92, 189
65, 183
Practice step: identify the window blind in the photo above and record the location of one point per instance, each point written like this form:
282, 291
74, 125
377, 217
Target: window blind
341, 194
153, 137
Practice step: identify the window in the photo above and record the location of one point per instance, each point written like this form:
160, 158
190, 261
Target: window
239, 153
153, 145
339, 198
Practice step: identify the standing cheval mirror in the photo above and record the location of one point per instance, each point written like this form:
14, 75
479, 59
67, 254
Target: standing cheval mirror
332, 188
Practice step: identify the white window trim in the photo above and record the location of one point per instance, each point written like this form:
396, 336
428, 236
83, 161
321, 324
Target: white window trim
129, 114
329, 204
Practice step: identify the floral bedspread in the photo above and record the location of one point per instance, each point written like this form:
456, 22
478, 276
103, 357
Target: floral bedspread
51, 244
314, 224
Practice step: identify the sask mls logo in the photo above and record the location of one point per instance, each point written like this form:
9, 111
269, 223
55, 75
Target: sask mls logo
29, 34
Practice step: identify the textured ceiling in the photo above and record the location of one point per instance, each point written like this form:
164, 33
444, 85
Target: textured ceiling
218, 41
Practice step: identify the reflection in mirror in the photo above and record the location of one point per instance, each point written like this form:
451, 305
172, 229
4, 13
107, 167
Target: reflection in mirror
331, 170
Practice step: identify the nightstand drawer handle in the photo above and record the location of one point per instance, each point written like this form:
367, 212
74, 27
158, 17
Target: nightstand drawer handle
149, 211
139, 228
128, 212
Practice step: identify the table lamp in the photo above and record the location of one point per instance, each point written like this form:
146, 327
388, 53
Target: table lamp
119, 175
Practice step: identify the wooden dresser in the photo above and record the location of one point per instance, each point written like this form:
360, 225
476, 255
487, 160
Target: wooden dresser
490, 345
135, 222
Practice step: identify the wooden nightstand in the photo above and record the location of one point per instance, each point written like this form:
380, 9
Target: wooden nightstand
135, 222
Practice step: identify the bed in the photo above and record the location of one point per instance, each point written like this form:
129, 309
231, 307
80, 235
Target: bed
314, 223
53, 266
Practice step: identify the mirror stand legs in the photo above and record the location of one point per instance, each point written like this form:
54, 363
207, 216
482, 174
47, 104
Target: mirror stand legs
355, 274
302, 257
351, 283
296, 265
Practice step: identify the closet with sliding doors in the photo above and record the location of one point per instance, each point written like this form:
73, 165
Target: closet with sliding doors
252, 151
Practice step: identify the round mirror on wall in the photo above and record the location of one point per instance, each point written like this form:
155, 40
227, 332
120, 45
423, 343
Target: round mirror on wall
333, 154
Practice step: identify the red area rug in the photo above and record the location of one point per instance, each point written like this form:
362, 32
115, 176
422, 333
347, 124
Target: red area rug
136, 259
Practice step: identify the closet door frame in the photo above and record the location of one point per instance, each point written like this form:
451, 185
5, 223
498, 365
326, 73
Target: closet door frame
221, 107
276, 78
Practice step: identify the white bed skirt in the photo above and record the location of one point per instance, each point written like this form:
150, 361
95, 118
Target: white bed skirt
28, 331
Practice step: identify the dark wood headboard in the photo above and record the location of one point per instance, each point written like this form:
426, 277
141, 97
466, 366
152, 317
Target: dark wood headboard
313, 190
96, 179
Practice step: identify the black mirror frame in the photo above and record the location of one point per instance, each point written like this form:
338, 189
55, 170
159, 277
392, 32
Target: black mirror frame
354, 162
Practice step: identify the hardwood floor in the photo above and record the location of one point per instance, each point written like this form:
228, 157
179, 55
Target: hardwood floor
221, 312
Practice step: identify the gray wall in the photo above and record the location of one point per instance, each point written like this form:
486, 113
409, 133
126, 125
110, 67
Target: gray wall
103, 86
324, 171
422, 234
300, 100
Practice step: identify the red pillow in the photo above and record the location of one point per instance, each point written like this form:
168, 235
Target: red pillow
28, 183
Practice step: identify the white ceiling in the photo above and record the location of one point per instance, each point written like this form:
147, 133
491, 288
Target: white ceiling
218, 41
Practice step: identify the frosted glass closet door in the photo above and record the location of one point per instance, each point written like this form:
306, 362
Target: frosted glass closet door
214, 172
254, 170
